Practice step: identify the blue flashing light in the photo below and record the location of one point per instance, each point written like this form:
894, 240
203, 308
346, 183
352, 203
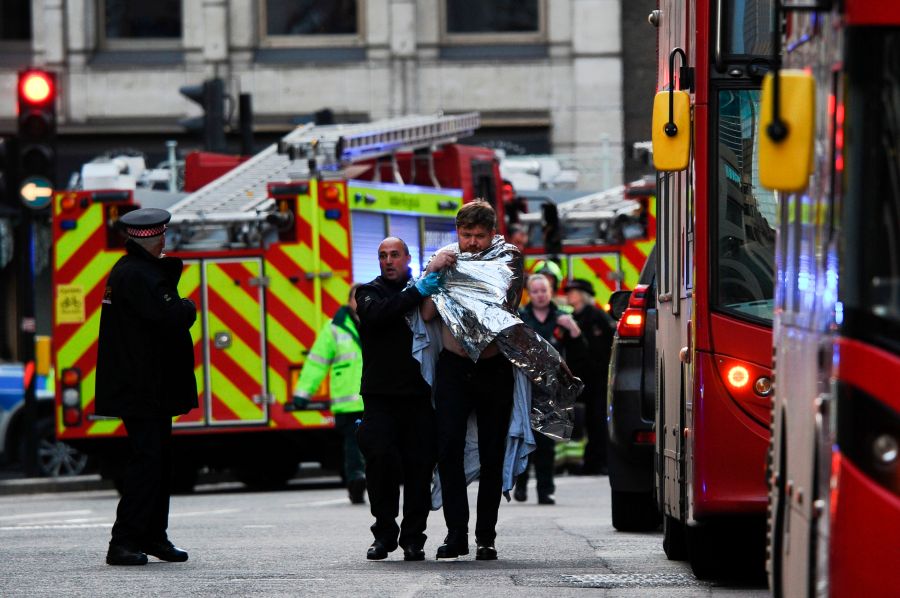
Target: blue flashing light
333, 214
68, 224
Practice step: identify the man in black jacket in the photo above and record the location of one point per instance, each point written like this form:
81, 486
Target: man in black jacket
398, 428
145, 375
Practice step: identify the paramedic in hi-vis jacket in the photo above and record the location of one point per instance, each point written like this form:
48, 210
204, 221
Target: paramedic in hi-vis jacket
337, 349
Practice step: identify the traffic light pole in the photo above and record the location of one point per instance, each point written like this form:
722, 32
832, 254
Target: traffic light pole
25, 334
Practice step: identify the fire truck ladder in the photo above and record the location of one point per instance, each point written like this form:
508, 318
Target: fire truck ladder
237, 204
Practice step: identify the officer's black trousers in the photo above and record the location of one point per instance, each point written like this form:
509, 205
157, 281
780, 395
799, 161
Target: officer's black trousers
463, 386
354, 464
597, 433
397, 440
543, 458
143, 512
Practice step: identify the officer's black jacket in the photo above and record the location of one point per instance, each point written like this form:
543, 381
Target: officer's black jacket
145, 356
598, 328
388, 365
573, 350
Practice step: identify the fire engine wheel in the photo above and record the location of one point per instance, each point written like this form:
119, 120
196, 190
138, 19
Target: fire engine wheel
55, 458
673, 539
634, 511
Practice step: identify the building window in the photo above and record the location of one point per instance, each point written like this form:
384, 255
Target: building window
481, 21
310, 22
15, 20
137, 20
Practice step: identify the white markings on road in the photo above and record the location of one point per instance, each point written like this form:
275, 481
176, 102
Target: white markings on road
319, 503
47, 514
82, 522
258, 526
16, 528
199, 513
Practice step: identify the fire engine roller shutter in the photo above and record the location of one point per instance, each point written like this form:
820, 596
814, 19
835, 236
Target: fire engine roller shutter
407, 228
189, 287
368, 233
235, 380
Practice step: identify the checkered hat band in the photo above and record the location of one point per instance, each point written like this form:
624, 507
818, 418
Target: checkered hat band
146, 232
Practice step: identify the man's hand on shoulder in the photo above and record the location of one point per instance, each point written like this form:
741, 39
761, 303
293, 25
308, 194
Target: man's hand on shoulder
429, 284
445, 258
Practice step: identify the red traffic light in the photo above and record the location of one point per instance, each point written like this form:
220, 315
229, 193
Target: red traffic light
36, 87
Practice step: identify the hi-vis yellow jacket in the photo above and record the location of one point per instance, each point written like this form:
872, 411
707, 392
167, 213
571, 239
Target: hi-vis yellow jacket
336, 348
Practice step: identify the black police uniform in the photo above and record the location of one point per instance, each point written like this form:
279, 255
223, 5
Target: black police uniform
145, 375
396, 436
574, 351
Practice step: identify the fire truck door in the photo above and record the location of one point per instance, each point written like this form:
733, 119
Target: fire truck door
189, 286
234, 334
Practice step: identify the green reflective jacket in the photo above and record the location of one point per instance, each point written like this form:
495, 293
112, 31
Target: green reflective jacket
336, 348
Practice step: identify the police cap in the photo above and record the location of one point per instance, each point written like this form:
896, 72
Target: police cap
579, 284
145, 222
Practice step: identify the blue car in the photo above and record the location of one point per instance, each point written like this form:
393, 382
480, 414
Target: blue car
54, 457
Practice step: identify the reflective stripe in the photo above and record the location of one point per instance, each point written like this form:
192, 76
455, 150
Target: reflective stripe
347, 399
346, 357
341, 336
302, 394
319, 359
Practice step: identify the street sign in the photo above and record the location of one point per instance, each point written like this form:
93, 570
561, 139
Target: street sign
36, 192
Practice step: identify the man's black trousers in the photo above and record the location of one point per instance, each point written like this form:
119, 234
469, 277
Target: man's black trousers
143, 513
461, 386
396, 438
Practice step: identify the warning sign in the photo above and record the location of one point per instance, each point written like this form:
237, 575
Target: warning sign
69, 304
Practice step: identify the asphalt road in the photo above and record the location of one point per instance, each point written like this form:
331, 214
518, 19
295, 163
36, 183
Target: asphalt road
310, 540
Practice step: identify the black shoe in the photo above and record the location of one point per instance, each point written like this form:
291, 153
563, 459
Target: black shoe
546, 499
413, 553
122, 556
520, 494
357, 491
455, 545
166, 551
378, 551
486, 552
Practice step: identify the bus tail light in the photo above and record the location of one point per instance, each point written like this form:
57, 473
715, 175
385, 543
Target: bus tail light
70, 383
749, 385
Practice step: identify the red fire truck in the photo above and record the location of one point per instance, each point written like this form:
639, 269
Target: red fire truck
715, 282
831, 150
270, 250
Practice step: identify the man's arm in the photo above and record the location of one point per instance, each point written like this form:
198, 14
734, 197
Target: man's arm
374, 309
318, 362
156, 300
428, 309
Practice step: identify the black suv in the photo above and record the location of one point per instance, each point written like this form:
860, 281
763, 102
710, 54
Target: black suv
631, 404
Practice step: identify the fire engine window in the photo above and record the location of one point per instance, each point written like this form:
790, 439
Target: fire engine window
15, 20
492, 16
311, 17
138, 19
407, 228
368, 230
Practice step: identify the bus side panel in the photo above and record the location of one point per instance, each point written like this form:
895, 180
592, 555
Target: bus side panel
729, 450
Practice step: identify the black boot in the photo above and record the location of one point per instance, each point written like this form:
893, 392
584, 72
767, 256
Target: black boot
455, 544
485, 551
124, 556
357, 491
378, 551
166, 551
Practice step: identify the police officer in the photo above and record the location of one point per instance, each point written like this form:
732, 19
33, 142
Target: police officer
337, 349
598, 328
145, 375
397, 435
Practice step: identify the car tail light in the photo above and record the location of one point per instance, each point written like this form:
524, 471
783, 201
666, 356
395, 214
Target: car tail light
70, 382
631, 324
645, 437
748, 384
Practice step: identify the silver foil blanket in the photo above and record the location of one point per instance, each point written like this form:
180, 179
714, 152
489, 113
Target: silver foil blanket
477, 301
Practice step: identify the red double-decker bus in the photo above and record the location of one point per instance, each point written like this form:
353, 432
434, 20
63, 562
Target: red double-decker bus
715, 273
834, 156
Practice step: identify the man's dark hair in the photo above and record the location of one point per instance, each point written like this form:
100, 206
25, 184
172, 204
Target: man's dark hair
477, 213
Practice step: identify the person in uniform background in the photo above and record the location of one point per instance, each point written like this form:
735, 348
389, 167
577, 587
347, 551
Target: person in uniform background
398, 428
337, 349
560, 330
598, 328
145, 375
517, 235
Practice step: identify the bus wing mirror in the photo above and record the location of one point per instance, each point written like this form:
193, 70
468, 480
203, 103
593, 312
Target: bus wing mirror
671, 136
786, 146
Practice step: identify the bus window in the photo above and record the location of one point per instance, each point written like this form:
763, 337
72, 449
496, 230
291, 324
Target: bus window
745, 225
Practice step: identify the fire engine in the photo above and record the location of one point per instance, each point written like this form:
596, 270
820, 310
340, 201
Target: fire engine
270, 250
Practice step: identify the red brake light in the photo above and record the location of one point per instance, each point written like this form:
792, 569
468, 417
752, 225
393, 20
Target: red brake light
631, 325
638, 296
70, 377
36, 87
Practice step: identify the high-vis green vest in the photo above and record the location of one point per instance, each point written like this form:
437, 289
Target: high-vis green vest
336, 348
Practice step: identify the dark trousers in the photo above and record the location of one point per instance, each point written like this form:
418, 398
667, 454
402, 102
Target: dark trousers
461, 386
543, 458
397, 440
597, 433
354, 465
143, 512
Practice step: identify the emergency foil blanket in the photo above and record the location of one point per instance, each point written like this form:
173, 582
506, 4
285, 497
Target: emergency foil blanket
477, 302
